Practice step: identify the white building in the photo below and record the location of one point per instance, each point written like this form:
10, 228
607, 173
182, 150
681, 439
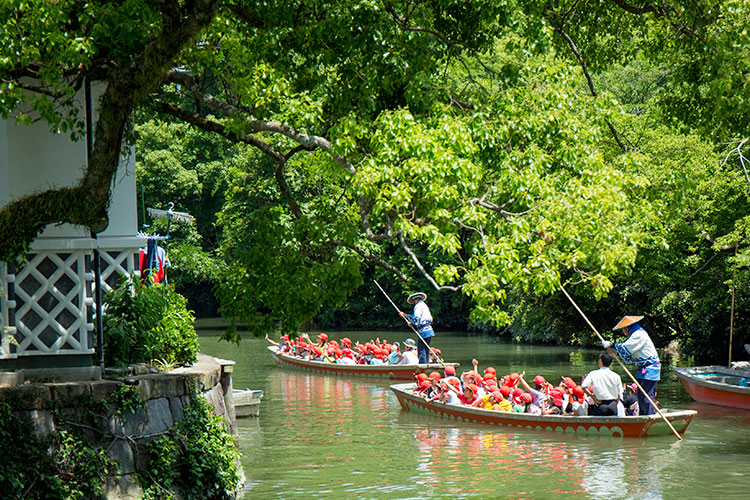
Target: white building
50, 301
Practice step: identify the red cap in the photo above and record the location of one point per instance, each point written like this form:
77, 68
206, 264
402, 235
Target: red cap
454, 381
472, 387
498, 395
517, 392
317, 350
506, 390
323, 336
555, 393
435, 376
346, 341
425, 384
539, 380
489, 376
578, 391
450, 370
557, 402
475, 376
489, 369
514, 378
526, 397
569, 383
421, 377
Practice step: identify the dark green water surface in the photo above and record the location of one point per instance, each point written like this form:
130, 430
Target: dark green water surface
330, 437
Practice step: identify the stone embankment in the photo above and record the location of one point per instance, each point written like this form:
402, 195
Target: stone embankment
124, 434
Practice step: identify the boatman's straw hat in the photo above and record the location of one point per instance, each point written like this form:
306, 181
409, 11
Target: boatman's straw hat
414, 296
627, 321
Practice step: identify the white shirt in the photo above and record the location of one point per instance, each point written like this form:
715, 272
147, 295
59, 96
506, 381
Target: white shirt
409, 358
452, 398
422, 312
606, 383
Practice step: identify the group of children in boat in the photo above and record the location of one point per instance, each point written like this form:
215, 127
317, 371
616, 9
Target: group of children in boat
373, 352
600, 393
511, 393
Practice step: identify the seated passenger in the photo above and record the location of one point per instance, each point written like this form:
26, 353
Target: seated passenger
347, 357
409, 357
469, 394
630, 402
606, 388
450, 394
394, 354
500, 403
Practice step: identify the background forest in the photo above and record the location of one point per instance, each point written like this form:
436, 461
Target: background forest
484, 152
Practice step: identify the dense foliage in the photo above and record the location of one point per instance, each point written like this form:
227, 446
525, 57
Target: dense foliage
496, 149
58, 467
198, 460
147, 323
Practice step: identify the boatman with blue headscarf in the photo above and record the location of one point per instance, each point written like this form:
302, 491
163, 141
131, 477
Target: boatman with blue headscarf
639, 350
422, 322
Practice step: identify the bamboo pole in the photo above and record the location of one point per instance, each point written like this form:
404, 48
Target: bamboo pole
622, 365
411, 326
731, 315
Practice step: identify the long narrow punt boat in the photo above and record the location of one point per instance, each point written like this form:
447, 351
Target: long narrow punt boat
639, 427
381, 372
717, 385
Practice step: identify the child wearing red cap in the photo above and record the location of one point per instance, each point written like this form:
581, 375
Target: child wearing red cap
500, 404
469, 395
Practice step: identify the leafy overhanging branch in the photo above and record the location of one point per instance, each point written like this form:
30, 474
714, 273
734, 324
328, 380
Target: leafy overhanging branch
306, 142
86, 203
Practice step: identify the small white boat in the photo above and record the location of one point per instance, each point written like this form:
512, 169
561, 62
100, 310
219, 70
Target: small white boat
246, 402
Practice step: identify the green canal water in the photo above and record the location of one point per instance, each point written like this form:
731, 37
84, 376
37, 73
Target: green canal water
330, 437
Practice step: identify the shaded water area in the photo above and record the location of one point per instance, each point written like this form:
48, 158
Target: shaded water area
331, 437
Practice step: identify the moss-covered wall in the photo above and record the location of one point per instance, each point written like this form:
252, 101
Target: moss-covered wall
132, 426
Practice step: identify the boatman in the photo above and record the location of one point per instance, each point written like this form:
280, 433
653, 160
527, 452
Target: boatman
640, 350
421, 320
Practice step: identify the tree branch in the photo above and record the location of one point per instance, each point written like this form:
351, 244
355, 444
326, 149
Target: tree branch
421, 268
582, 62
374, 258
309, 141
218, 128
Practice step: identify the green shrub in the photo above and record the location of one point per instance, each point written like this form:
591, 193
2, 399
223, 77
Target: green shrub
147, 323
61, 466
199, 458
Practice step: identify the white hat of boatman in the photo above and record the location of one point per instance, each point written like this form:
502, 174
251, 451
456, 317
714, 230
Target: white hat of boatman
627, 321
415, 296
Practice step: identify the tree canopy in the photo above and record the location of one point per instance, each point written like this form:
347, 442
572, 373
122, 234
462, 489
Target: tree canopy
488, 148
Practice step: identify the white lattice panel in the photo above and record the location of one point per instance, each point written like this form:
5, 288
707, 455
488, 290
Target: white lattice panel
52, 318
54, 304
116, 263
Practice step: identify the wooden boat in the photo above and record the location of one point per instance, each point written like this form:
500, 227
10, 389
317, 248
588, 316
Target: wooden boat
640, 426
717, 385
379, 372
246, 402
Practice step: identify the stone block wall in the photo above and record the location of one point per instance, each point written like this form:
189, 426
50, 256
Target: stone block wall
165, 395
